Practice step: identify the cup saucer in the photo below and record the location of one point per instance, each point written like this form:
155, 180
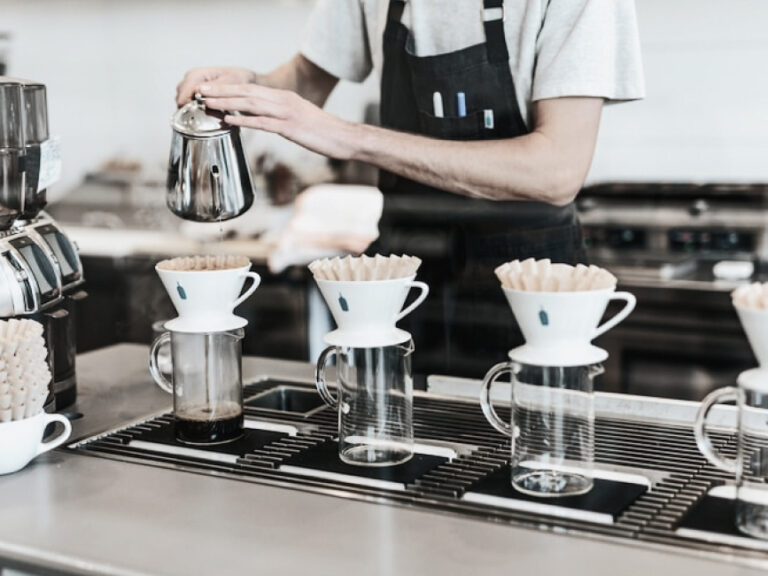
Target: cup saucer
565, 355
367, 339
216, 323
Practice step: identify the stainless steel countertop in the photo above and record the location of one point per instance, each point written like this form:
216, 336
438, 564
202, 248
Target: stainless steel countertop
77, 514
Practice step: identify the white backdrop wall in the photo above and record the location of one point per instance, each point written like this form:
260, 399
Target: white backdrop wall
705, 117
111, 68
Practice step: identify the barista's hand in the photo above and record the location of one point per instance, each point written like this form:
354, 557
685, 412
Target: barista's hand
282, 112
215, 75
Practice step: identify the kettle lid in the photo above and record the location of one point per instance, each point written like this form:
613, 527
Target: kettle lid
194, 119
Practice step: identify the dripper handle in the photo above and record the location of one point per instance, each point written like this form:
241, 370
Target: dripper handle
256, 281
630, 300
154, 368
424, 292
703, 442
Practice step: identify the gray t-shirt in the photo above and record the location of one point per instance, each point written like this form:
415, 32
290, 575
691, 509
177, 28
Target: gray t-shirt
557, 47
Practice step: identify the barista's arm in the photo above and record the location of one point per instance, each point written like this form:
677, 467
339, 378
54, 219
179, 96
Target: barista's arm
548, 165
297, 75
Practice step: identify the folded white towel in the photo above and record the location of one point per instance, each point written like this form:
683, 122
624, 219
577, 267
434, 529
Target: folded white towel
328, 220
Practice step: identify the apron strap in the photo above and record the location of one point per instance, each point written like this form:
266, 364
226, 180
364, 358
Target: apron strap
395, 12
493, 20
495, 39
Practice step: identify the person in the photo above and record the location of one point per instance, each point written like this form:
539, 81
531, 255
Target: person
489, 115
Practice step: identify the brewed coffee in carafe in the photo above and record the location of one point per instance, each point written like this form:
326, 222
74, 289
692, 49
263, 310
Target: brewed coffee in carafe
206, 345
206, 384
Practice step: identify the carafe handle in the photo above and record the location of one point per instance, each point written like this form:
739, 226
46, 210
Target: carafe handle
154, 367
485, 396
320, 383
727, 394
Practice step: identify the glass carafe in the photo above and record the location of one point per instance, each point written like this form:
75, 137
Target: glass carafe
374, 402
750, 467
206, 384
552, 426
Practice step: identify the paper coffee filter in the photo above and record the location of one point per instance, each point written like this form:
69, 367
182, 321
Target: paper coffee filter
365, 268
753, 295
543, 276
24, 372
207, 262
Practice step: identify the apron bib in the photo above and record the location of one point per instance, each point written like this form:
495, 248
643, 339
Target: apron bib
465, 325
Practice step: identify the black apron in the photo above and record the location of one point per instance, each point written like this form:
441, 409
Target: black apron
465, 325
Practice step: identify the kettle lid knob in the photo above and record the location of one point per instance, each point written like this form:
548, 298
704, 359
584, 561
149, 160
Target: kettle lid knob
195, 119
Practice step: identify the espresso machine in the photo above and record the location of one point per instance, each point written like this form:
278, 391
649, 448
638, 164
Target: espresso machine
40, 270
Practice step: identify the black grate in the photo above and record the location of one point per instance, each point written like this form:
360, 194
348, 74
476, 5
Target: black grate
665, 454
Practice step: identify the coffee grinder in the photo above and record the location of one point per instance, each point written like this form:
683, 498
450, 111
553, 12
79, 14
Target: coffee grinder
40, 270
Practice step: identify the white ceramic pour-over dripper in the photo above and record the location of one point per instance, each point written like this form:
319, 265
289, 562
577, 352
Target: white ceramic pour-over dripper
559, 327
205, 299
366, 311
755, 324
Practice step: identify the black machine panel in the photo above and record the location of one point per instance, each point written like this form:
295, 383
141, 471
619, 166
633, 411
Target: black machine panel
64, 251
41, 268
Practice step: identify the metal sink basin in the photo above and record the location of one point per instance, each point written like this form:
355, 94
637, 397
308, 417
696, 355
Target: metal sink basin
287, 399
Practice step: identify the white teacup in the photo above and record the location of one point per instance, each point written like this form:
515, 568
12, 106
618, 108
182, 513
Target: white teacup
755, 323
366, 311
205, 299
21, 440
553, 319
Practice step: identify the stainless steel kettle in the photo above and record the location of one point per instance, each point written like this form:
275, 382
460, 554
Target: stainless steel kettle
208, 175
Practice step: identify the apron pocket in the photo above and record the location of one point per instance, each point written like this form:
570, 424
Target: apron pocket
469, 127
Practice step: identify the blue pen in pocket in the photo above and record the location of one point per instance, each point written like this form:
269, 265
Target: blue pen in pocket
461, 104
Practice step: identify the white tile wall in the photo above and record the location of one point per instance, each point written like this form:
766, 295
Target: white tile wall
111, 68
705, 116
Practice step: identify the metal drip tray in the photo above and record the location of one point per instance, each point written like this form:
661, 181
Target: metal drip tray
287, 398
322, 462
704, 521
649, 474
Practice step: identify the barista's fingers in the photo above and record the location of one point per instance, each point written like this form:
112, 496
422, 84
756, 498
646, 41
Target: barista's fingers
242, 91
264, 123
188, 86
252, 106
